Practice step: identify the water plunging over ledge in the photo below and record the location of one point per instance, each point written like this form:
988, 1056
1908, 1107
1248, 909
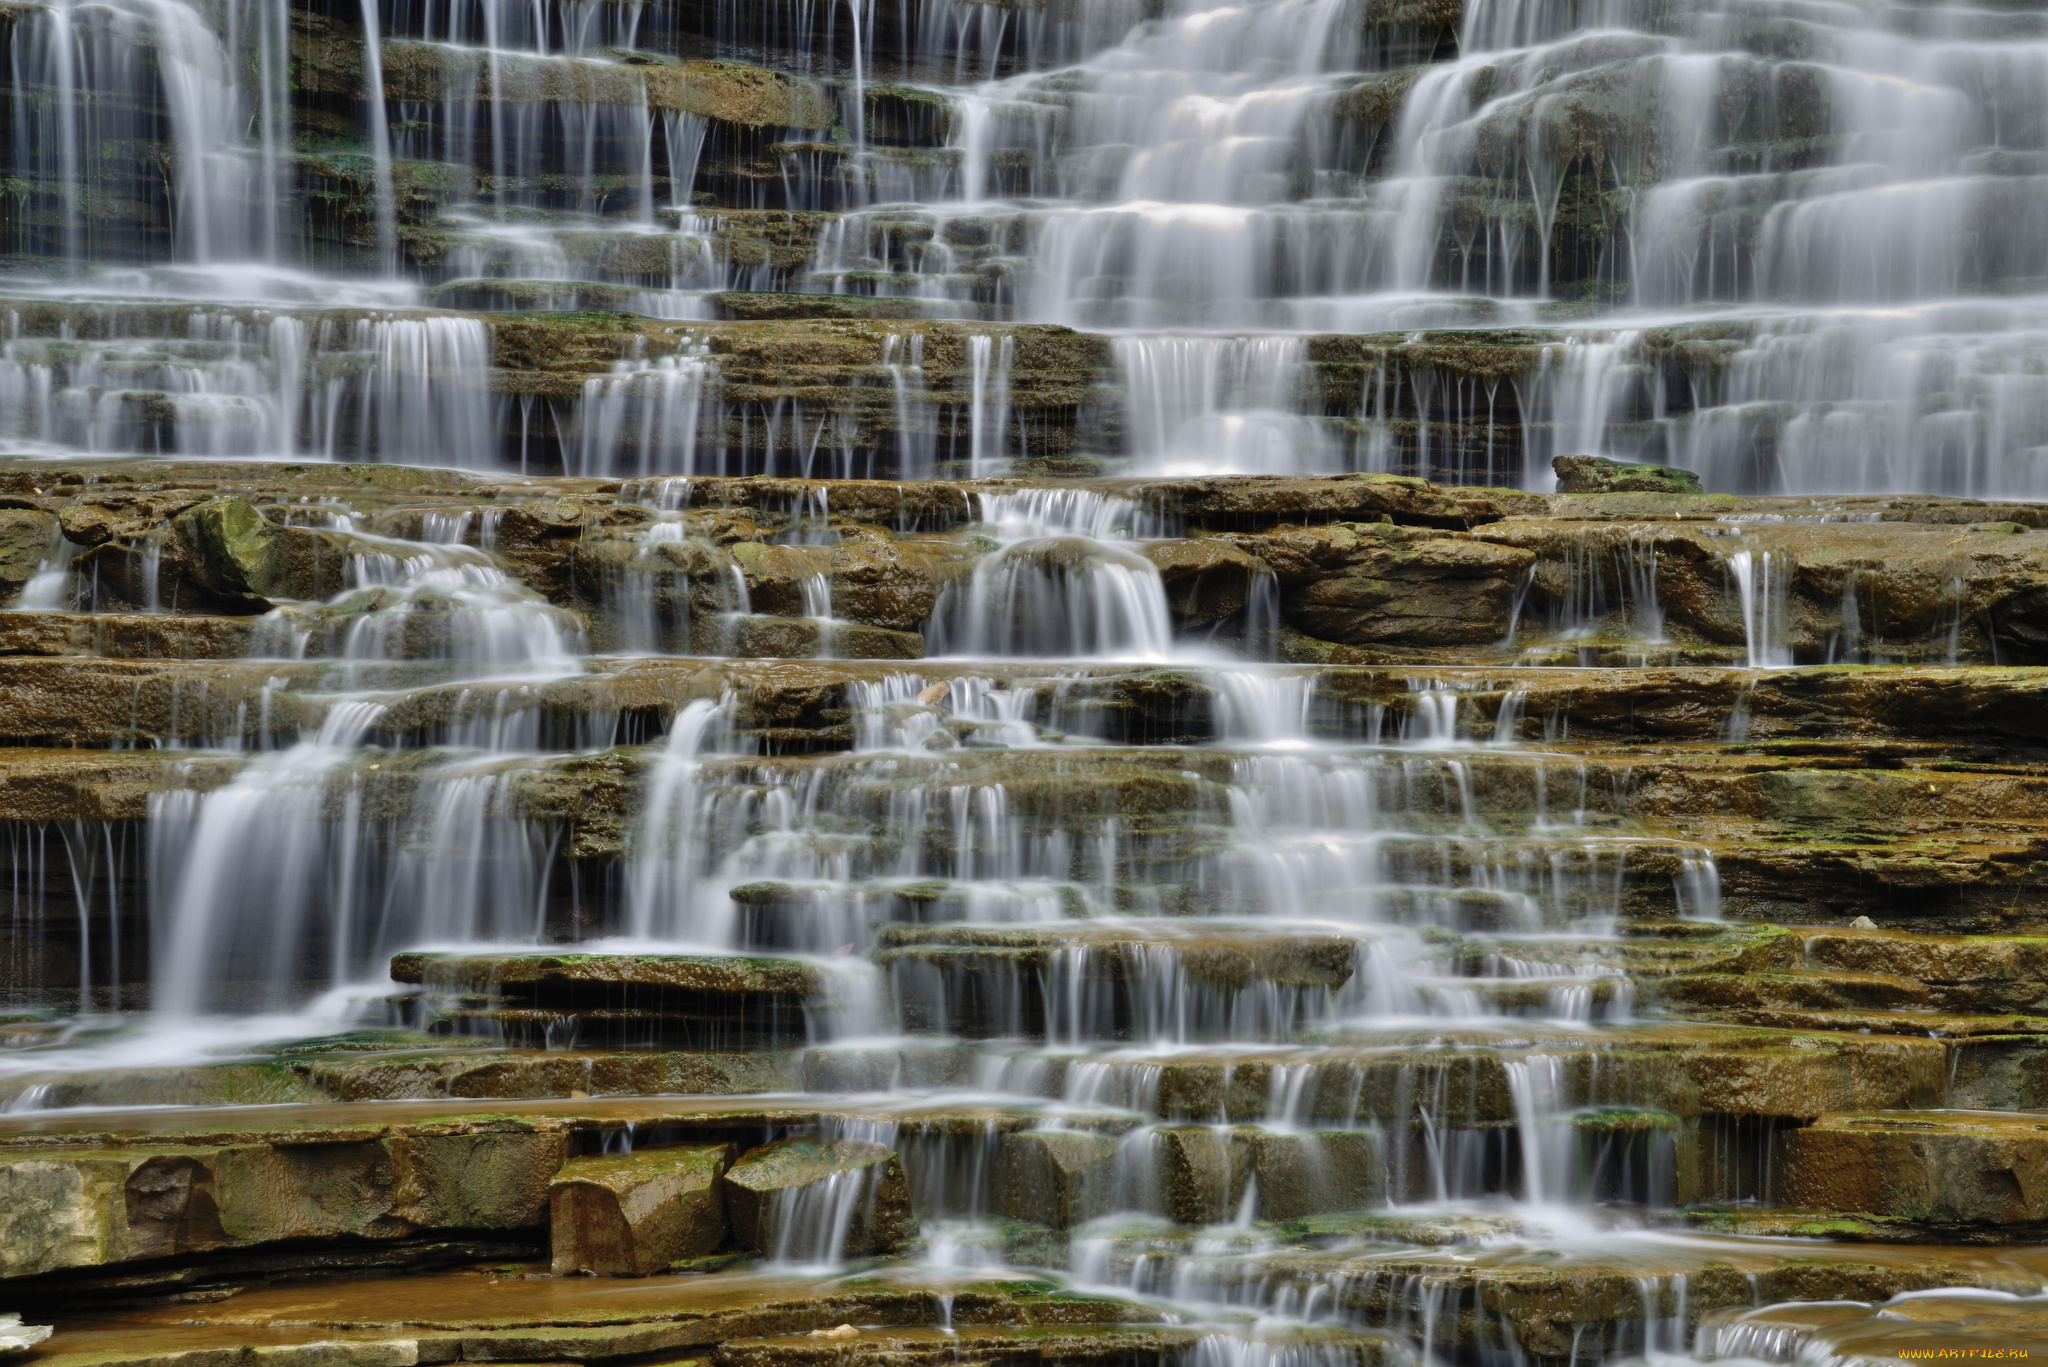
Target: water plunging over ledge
1682, 244
903, 676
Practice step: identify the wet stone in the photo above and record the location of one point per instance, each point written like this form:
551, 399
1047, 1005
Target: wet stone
1206, 580
1598, 475
1057, 1177
1203, 1173
491, 1073
86, 1208
605, 1000
1932, 1167
973, 1342
629, 1215
1317, 1173
798, 638
126, 636
814, 1199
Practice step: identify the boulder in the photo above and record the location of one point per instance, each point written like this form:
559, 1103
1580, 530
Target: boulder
1318, 1172
1203, 1172
242, 561
787, 1199
1057, 1177
1599, 475
1381, 584
1849, 591
678, 1001
894, 584
1239, 501
1938, 1168
25, 538
630, 1215
126, 636
90, 1207
775, 575
1206, 579
801, 638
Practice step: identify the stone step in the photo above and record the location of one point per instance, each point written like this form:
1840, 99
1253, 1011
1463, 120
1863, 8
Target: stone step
1396, 1077
506, 1315
161, 1190
1963, 1030
918, 1346
1138, 980
1937, 1168
1618, 1300
1922, 1325
1335, 581
1628, 1292
672, 1001
1722, 992
106, 1205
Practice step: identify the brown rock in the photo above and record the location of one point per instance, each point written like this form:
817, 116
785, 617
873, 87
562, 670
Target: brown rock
801, 638
1598, 475
785, 1198
1203, 1172
1207, 579
25, 538
1937, 1168
1057, 1177
1379, 584
91, 1207
1318, 1172
125, 636
631, 1215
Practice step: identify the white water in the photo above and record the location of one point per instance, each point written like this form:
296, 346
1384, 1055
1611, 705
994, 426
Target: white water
1857, 230
1819, 272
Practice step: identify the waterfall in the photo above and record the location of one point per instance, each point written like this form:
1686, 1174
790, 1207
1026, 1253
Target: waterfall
928, 682
1762, 589
380, 138
1056, 597
1224, 405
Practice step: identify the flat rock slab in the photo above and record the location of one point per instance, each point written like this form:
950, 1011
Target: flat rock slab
89, 1207
1947, 960
598, 1118
1933, 1167
1548, 1297
1056, 1177
533, 974
516, 1317
519, 1074
1222, 953
1687, 1069
665, 1001
344, 1123
910, 1347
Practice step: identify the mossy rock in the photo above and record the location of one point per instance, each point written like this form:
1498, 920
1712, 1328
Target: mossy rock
1598, 475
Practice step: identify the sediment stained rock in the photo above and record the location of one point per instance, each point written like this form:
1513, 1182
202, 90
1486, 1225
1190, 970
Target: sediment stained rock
808, 1199
635, 1214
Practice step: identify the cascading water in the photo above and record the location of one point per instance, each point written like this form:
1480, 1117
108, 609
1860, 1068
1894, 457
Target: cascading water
821, 613
1270, 168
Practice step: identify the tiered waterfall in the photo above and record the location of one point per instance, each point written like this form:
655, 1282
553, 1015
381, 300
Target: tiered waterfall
1078, 683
